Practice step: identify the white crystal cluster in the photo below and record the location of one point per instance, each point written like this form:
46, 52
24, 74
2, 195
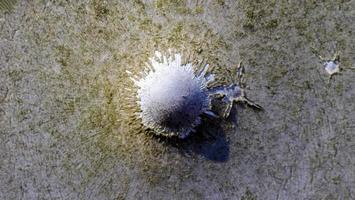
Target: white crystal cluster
331, 67
171, 96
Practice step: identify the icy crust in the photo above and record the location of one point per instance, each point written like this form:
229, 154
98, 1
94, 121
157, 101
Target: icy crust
331, 67
171, 97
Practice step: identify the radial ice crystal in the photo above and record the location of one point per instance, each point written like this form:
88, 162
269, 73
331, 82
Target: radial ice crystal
171, 96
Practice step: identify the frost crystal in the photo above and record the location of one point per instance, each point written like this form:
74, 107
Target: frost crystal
331, 67
171, 97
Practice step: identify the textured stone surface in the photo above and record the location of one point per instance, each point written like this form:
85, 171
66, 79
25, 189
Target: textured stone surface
66, 131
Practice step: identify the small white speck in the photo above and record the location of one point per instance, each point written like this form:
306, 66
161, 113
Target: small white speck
331, 67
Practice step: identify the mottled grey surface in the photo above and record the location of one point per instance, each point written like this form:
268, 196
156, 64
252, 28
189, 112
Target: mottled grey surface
66, 125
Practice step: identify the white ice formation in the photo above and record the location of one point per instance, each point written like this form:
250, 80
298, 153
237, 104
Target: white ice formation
171, 96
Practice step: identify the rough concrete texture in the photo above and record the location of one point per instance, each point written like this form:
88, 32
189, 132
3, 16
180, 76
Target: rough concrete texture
66, 125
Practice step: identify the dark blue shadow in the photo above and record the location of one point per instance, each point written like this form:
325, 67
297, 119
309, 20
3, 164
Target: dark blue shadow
209, 141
